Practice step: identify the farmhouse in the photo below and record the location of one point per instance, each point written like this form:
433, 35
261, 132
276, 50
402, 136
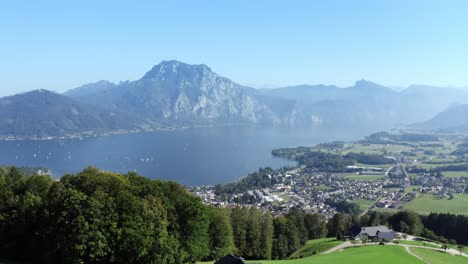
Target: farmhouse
230, 259
375, 233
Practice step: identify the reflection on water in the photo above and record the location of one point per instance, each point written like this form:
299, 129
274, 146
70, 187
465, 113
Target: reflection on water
192, 156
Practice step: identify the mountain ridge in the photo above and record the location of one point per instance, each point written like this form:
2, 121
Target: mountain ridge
177, 94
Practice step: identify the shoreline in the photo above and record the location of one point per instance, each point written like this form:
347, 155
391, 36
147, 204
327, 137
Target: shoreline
96, 134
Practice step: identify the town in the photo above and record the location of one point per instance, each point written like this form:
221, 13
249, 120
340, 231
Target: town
403, 183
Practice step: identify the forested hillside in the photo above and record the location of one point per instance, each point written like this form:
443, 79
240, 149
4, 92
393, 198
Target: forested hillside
103, 217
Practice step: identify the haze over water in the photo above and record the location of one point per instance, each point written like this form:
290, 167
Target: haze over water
192, 156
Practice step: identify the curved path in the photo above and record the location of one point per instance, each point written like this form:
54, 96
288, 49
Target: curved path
411, 253
348, 244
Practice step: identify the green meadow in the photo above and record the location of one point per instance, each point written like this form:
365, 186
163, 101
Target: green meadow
354, 255
425, 204
438, 257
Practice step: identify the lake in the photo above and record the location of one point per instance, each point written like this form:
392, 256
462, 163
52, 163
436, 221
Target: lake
191, 156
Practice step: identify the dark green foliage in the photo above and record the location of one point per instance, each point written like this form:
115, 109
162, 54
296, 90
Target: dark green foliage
449, 226
254, 234
286, 240
316, 226
239, 228
337, 226
371, 159
297, 218
385, 137
257, 180
407, 222
101, 217
220, 233
344, 206
258, 235
267, 235
323, 161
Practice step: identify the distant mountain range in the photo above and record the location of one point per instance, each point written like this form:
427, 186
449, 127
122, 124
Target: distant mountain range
175, 94
454, 119
41, 113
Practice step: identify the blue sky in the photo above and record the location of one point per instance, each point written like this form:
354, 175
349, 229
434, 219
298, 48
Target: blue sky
59, 45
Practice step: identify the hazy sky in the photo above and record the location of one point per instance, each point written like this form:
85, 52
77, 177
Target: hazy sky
59, 45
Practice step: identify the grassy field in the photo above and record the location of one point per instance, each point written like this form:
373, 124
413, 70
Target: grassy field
363, 203
354, 255
411, 188
375, 148
431, 166
437, 257
357, 255
366, 177
316, 246
354, 176
324, 187
426, 204
386, 210
455, 174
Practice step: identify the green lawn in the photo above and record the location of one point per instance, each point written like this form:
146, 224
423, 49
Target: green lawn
354, 176
455, 174
386, 210
425, 204
316, 246
372, 254
431, 166
364, 204
366, 177
411, 188
375, 148
357, 255
324, 187
437, 257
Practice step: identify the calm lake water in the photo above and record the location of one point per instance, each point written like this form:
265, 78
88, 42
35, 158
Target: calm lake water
192, 156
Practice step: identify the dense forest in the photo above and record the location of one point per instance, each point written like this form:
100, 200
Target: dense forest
385, 137
103, 217
257, 180
328, 162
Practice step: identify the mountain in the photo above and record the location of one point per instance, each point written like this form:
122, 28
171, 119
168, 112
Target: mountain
367, 104
452, 119
90, 88
177, 93
42, 113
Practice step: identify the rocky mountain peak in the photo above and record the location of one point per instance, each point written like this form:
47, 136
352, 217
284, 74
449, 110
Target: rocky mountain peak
174, 68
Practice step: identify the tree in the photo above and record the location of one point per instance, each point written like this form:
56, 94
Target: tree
188, 222
239, 229
316, 226
221, 241
405, 236
267, 235
407, 222
254, 234
286, 239
336, 225
297, 218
